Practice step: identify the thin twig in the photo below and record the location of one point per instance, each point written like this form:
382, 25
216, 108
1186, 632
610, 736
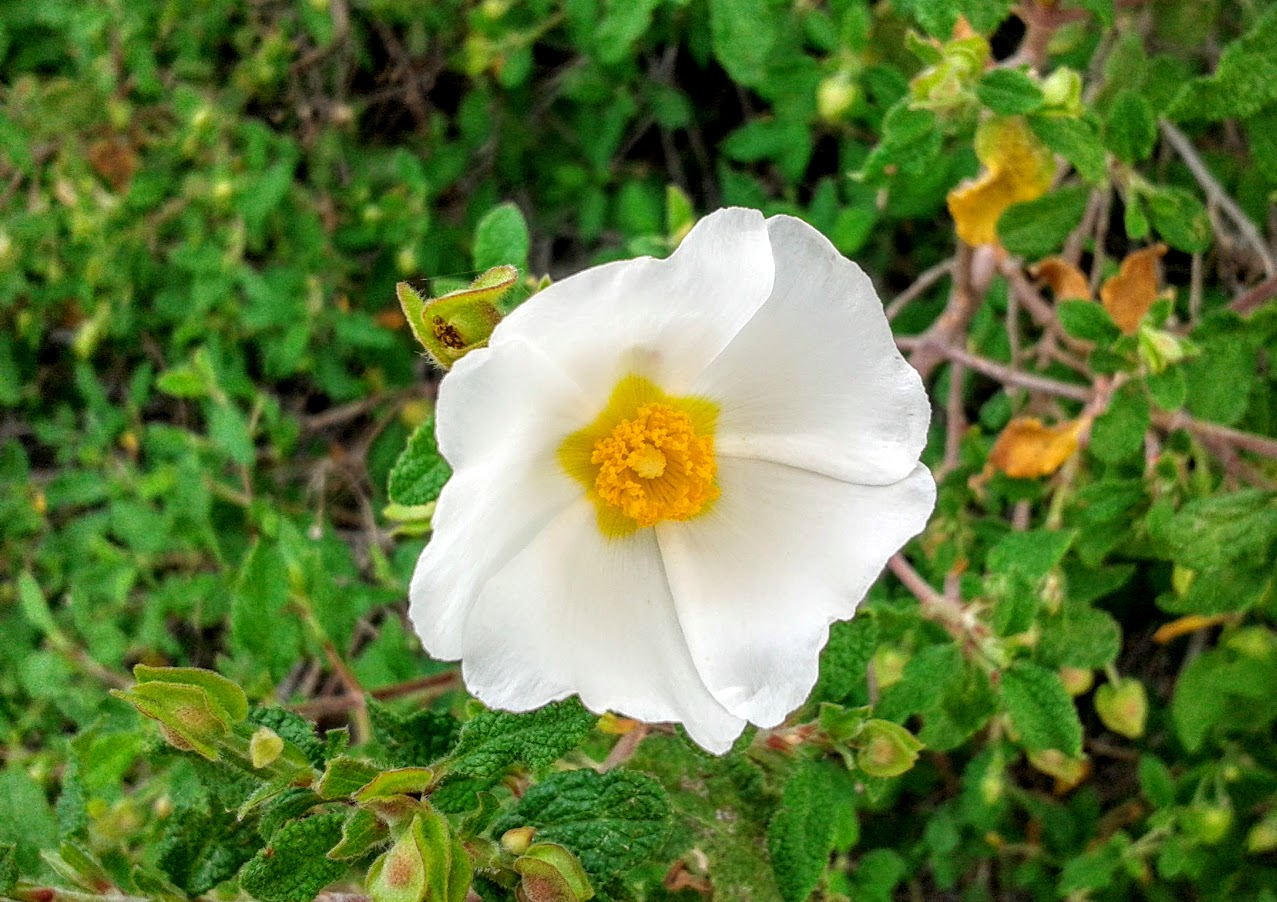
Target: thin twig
945, 610
1254, 298
1217, 195
1006, 374
432, 686
925, 280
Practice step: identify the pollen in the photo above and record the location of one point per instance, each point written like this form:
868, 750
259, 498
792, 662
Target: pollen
648, 457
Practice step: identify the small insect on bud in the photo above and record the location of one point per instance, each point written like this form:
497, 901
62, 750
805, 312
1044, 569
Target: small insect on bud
454, 324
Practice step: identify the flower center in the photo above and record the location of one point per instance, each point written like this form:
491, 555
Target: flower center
648, 457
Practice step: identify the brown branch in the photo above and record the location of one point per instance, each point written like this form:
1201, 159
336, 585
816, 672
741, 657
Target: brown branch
1218, 196
925, 280
943, 609
433, 686
1246, 441
1005, 374
1251, 300
964, 300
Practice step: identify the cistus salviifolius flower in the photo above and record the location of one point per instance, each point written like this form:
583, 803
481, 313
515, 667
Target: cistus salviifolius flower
670, 477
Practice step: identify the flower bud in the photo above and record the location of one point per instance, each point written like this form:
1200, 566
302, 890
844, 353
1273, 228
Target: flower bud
886, 749
1077, 681
265, 747
1062, 90
399, 875
1159, 349
551, 874
1207, 823
516, 840
1263, 836
835, 96
1123, 707
452, 325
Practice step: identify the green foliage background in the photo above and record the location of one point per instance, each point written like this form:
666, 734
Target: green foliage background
205, 383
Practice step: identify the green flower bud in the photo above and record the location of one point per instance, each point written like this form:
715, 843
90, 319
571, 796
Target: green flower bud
886, 749
1077, 681
517, 840
454, 324
188, 719
1206, 823
1263, 836
265, 747
1160, 349
551, 874
1123, 707
1063, 91
835, 96
1253, 642
399, 875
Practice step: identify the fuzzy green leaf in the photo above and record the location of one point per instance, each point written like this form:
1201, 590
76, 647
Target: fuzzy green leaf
1032, 554
496, 740
743, 33
1009, 92
1036, 228
1074, 139
414, 740
1041, 711
1118, 433
845, 660
8, 868
800, 835
1179, 218
1130, 130
501, 238
420, 472
613, 822
296, 866
1215, 532
1244, 82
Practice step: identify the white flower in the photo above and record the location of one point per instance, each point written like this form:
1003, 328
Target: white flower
670, 477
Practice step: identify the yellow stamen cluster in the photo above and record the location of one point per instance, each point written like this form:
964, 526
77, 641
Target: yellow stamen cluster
655, 467
648, 457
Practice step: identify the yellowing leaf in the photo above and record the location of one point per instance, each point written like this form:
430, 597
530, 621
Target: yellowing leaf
1063, 278
1128, 295
1026, 449
1018, 167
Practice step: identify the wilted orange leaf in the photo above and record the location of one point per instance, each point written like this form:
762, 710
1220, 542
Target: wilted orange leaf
1128, 295
1183, 626
1026, 449
1018, 167
114, 160
1063, 278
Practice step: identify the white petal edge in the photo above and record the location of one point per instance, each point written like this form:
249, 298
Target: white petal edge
664, 319
500, 417
814, 380
575, 612
784, 552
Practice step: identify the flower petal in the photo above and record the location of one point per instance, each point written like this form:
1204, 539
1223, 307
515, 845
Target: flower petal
663, 319
839, 400
575, 612
500, 416
783, 553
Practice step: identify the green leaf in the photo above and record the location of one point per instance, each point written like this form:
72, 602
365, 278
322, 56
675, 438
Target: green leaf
623, 23
845, 661
414, 740
1130, 130
221, 691
1087, 320
1168, 389
1216, 532
204, 846
362, 832
1118, 433
263, 628
26, 820
1032, 554
8, 868
1179, 218
1222, 379
613, 822
496, 740
1079, 636
1074, 139
420, 472
501, 238
1041, 711
1156, 781
800, 835
1034, 229
295, 867
1009, 92
1244, 82
743, 33
345, 776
